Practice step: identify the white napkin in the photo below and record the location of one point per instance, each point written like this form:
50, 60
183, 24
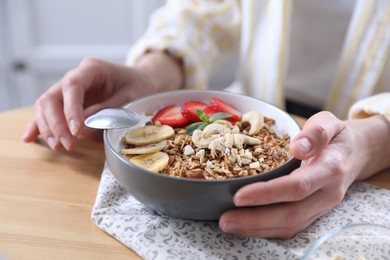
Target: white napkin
155, 236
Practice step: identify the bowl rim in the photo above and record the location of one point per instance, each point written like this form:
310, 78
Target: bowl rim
333, 232
123, 160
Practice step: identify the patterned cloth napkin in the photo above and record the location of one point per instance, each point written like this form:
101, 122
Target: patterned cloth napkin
155, 236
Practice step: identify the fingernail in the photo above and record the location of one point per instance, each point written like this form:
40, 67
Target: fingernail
65, 142
244, 201
73, 126
51, 142
230, 227
24, 137
304, 146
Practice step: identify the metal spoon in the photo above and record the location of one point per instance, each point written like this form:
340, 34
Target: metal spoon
110, 118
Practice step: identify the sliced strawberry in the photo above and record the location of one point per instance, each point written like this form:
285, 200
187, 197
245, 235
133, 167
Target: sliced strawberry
170, 115
189, 108
210, 110
222, 106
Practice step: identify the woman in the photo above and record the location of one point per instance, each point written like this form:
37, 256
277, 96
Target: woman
184, 42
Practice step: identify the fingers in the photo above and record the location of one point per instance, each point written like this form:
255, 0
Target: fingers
73, 110
276, 221
60, 110
296, 186
318, 173
286, 205
45, 131
316, 134
50, 124
93, 85
58, 127
91, 74
50, 120
281, 220
31, 133
118, 98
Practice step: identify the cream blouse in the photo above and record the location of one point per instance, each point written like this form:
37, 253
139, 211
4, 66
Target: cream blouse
275, 59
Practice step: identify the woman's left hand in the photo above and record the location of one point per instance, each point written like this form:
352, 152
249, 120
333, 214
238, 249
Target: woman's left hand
335, 154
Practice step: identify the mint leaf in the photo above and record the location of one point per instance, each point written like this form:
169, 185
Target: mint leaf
202, 116
218, 116
205, 121
195, 126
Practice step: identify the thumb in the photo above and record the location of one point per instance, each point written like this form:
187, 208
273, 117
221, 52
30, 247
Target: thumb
317, 133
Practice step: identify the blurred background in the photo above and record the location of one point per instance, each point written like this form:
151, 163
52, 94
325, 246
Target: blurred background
40, 40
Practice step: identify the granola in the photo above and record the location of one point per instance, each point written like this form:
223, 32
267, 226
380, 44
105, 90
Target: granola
231, 154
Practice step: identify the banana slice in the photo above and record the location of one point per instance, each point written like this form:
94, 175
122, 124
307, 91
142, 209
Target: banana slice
154, 162
150, 148
149, 134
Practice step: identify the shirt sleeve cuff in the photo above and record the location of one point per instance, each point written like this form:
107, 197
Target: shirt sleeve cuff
373, 105
200, 33
196, 77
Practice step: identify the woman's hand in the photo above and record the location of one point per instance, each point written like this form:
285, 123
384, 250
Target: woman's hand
93, 85
336, 153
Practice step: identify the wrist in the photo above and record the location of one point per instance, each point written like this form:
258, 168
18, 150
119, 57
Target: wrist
162, 71
374, 138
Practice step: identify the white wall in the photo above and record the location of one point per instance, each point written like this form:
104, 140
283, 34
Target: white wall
4, 96
47, 38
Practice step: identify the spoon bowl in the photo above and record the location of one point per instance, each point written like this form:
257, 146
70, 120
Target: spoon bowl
112, 118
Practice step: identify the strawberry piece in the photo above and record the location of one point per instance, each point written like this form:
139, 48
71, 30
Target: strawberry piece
189, 108
210, 110
170, 115
222, 106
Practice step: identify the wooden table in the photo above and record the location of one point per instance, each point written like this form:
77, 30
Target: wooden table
46, 197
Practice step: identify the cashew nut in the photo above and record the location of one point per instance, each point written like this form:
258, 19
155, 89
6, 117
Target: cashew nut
200, 154
223, 122
235, 130
215, 129
229, 140
240, 140
217, 144
255, 119
218, 136
251, 140
188, 150
200, 141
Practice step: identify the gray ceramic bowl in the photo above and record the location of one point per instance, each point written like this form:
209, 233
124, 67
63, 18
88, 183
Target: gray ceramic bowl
190, 198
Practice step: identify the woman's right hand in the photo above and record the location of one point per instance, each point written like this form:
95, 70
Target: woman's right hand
93, 85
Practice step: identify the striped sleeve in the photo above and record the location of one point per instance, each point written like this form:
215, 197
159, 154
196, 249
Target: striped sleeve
198, 32
377, 104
